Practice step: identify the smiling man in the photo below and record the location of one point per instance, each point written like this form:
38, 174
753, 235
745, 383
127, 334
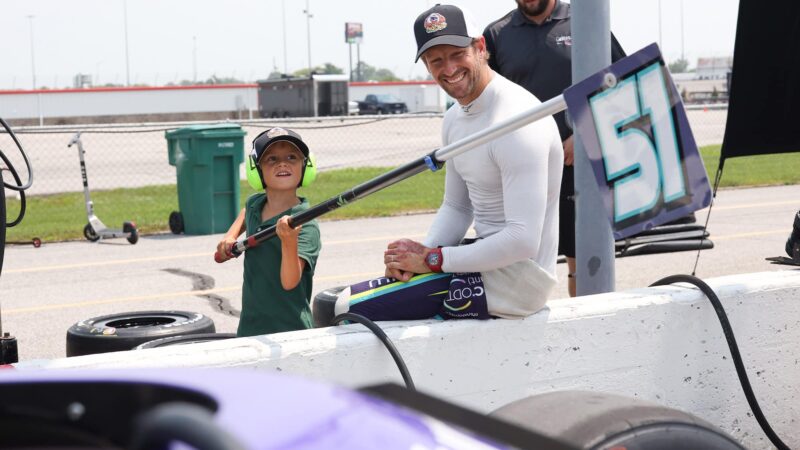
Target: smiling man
508, 188
532, 46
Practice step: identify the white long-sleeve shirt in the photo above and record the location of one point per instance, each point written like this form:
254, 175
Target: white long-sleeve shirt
509, 187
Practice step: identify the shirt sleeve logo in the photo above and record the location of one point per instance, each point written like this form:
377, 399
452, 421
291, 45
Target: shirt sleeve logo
435, 22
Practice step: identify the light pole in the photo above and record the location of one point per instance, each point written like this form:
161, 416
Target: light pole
307, 11
285, 63
683, 56
194, 59
33, 60
96, 81
660, 45
127, 58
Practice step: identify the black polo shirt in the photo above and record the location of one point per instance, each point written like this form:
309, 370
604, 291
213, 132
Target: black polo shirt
537, 57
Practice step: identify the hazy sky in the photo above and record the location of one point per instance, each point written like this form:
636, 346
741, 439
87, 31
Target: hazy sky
245, 38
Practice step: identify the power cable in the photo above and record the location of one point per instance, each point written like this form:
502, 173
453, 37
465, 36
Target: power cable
358, 318
734, 349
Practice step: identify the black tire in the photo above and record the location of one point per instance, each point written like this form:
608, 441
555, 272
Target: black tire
133, 238
88, 233
184, 340
600, 420
117, 332
796, 226
176, 222
322, 308
793, 248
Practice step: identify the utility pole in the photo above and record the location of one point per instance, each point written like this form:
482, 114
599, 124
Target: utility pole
683, 56
194, 59
308, 14
33, 59
127, 58
660, 45
285, 63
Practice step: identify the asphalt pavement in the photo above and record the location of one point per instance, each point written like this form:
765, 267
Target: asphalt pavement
45, 290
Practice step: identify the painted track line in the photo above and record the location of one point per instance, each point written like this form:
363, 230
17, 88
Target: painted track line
209, 255
164, 296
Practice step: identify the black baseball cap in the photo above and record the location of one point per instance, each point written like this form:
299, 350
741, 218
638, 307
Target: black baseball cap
262, 142
444, 24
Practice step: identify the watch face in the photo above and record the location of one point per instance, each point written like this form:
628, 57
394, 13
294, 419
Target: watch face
432, 259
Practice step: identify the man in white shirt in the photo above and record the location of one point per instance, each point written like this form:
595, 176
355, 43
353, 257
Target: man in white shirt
509, 189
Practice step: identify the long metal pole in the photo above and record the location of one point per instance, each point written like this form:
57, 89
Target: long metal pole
127, 58
683, 57
594, 242
285, 59
194, 59
308, 32
33, 59
660, 45
358, 62
432, 161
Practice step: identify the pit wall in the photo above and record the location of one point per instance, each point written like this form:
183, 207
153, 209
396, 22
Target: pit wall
661, 344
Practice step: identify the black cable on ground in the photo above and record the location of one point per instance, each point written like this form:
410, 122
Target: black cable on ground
386, 342
734, 349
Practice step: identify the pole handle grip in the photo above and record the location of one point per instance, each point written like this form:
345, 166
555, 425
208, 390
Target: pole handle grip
235, 252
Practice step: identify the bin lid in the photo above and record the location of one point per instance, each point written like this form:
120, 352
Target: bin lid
216, 129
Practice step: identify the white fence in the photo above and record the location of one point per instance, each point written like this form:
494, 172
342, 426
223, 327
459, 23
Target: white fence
120, 156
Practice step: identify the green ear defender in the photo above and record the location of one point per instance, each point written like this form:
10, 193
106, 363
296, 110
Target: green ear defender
256, 181
253, 175
309, 171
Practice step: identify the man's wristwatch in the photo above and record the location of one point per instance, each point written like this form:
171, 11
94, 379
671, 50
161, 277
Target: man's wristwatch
434, 260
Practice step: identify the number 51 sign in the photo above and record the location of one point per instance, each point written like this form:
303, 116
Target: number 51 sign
631, 121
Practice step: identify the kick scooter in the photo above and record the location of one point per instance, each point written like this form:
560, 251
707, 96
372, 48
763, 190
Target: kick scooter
96, 229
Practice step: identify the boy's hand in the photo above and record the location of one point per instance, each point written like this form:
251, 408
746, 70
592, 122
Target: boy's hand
224, 249
285, 232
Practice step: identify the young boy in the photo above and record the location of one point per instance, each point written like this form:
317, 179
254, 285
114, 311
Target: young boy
278, 273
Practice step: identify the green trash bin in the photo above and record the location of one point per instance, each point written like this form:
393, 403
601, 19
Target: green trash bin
206, 159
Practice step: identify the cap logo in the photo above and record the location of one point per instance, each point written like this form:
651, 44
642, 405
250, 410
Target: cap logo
435, 22
277, 131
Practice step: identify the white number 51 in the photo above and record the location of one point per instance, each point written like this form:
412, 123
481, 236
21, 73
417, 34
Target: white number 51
639, 144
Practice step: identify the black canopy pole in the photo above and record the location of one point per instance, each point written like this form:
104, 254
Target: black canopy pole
432, 161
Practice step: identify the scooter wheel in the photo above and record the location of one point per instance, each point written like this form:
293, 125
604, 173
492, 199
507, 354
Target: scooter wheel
89, 233
176, 222
37, 242
133, 237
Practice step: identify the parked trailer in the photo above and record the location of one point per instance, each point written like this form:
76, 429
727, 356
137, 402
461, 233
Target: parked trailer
319, 95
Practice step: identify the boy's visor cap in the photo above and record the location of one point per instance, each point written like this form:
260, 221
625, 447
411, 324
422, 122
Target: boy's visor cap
264, 140
444, 25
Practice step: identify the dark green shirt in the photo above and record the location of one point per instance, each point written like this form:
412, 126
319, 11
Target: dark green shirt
266, 306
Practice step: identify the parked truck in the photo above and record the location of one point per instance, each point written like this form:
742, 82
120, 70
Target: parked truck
382, 104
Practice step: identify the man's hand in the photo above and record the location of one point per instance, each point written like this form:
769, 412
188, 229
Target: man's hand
569, 151
404, 258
